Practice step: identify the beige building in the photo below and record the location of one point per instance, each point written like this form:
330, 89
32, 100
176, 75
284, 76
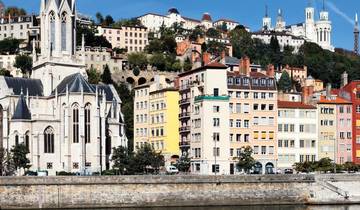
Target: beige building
134, 39
156, 118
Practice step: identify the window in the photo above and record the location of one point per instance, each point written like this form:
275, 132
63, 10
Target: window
231, 108
256, 107
256, 150
216, 151
216, 136
246, 123
238, 137
302, 143
216, 109
263, 150
271, 150
27, 141
87, 123
16, 139
216, 168
63, 31
52, 43
357, 108
280, 143
49, 140
216, 122
216, 91
238, 108
271, 107
231, 152
238, 123
75, 120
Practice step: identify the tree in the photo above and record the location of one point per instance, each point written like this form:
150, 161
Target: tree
148, 160
24, 63
196, 33
106, 76
6, 163
4, 72
108, 20
187, 64
9, 46
99, 18
138, 59
246, 161
213, 33
285, 82
90, 38
121, 159
19, 158
324, 165
183, 164
127, 22
158, 60
14, 12
350, 167
215, 48
94, 76
242, 43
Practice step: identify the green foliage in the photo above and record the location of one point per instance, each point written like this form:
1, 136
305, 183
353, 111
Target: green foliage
187, 64
19, 158
246, 161
9, 46
4, 72
215, 48
94, 76
324, 165
147, 160
213, 33
106, 76
183, 163
64, 173
127, 99
100, 20
158, 60
285, 82
90, 38
350, 167
119, 50
7, 167
122, 159
127, 22
198, 32
24, 63
138, 59
14, 11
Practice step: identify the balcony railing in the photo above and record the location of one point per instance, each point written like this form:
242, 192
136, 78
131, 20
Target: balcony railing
184, 115
211, 98
184, 129
184, 101
184, 144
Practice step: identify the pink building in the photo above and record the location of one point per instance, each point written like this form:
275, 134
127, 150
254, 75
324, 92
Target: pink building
344, 132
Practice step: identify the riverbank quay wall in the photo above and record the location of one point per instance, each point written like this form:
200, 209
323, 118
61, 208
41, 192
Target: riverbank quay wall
150, 191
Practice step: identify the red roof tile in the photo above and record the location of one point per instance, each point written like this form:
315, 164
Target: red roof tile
338, 100
294, 105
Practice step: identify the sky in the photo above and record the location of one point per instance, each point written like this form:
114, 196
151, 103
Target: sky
247, 12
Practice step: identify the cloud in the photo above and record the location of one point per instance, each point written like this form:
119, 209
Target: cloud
342, 14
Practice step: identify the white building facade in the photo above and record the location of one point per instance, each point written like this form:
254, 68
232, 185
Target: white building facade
66, 123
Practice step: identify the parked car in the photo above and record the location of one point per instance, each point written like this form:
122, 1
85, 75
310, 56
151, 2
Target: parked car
288, 171
172, 170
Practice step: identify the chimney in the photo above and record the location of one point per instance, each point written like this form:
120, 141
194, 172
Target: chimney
307, 93
344, 79
270, 71
244, 66
328, 91
206, 58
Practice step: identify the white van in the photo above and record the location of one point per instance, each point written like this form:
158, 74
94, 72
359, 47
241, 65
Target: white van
171, 170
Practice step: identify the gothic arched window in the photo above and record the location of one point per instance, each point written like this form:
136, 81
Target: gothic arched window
52, 29
63, 30
49, 142
16, 139
27, 140
87, 123
75, 121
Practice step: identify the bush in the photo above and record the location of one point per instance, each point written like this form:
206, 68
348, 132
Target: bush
64, 173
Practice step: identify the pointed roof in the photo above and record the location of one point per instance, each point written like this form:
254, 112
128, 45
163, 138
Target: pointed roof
34, 87
76, 84
22, 112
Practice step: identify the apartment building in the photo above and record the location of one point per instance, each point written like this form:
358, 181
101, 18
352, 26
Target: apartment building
7, 62
22, 27
132, 38
204, 119
253, 117
297, 133
156, 121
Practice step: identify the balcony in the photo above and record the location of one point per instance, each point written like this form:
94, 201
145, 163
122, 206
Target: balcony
184, 101
184, 144
211, 98
184, 129
184, 115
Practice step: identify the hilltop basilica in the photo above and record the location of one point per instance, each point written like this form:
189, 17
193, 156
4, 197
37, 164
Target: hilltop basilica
66, 123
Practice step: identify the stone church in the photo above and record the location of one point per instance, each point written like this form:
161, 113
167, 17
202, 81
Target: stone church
67, 123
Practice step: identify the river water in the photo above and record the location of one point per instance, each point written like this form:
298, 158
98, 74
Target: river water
282, 207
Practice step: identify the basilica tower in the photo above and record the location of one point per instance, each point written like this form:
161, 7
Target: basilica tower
310, 22
323, 30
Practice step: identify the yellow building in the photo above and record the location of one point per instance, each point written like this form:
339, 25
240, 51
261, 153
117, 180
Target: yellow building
156, 118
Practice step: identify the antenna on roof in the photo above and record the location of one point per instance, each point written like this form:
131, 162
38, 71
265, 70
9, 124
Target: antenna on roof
323, 5
266, 11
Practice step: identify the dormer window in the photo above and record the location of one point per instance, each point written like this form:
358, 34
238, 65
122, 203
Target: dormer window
237, 81
263, 82
230, 81
246, 81
255, 82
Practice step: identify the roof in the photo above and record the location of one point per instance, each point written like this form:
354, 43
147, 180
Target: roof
212, 65
207, 17
173, 10
75, 83
191, 19
294, 105
107, 90
227, 20
233, 61
336, 100
32, 87
22, 112
275, 33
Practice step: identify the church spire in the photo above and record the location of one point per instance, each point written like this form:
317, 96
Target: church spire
266, 11
356, 35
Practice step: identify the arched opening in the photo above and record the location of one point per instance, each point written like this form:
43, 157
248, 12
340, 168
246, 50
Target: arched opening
269, 168
141, 81
108, 148
167, 80
63, 30
75, 123
16, 138
258, 168
1, 126
130, 80
52, 30
152, 79
87, 123
27, 140
49, 142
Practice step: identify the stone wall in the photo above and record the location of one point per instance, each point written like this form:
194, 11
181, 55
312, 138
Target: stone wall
130, 191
